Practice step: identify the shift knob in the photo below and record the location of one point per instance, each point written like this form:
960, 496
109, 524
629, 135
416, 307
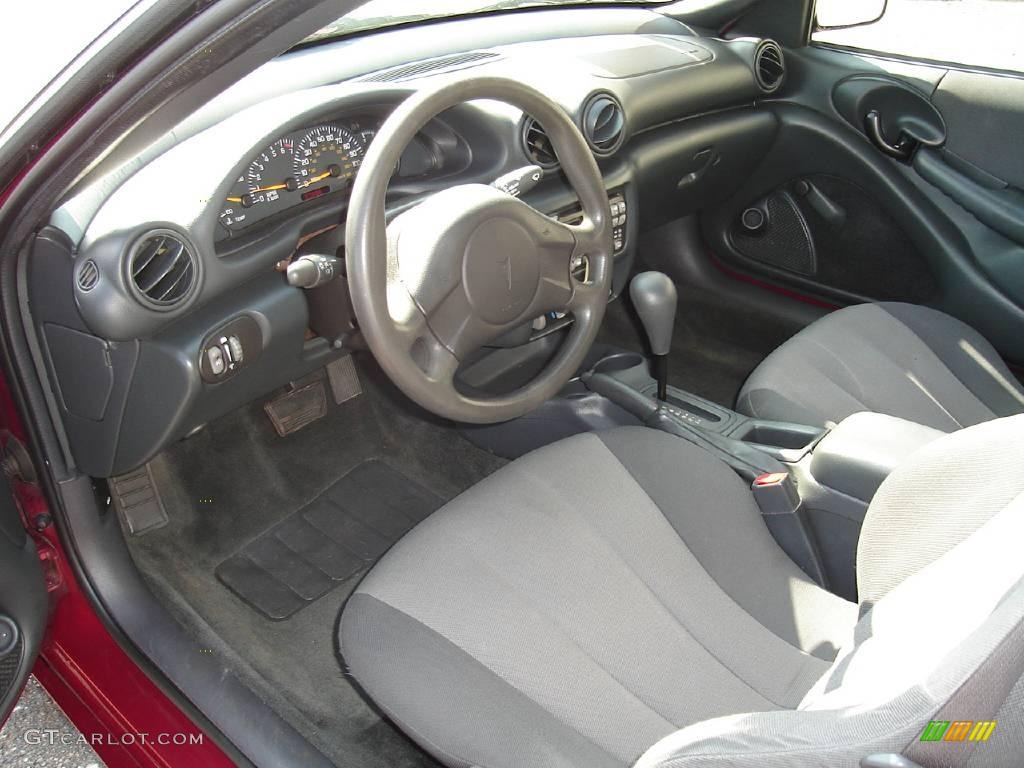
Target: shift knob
654, 296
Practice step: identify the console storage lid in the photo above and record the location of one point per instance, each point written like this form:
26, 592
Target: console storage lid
860, 452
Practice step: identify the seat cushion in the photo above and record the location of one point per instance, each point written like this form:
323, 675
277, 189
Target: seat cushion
903, 360
584, 602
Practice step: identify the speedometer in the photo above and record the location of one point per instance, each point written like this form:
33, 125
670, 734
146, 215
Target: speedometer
327, 156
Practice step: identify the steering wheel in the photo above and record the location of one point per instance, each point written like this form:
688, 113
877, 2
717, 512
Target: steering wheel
472, 262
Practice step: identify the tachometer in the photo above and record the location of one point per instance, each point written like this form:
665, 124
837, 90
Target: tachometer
268, 176
327, 156
270, 173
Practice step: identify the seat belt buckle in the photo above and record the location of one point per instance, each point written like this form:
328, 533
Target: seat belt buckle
783, 513
776, 493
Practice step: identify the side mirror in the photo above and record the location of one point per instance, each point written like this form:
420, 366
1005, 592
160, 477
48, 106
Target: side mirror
840, 14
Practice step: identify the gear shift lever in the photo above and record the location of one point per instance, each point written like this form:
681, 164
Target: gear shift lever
654, 296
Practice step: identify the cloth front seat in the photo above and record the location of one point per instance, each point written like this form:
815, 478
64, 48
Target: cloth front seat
615, 599
899, 359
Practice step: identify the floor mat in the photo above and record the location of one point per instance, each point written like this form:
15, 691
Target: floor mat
339, 534
227, 485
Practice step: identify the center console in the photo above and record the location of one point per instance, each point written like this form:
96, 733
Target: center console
813, 485
751, 446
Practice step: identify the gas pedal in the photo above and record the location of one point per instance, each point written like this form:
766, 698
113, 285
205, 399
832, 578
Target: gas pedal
344, 379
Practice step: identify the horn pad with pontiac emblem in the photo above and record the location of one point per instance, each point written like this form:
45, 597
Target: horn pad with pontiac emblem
473, 260
500, 271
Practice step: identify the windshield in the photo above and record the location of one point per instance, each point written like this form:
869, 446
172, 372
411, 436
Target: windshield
38, 42
386, 13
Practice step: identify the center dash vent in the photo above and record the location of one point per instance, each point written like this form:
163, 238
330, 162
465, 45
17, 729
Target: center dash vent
604, 123
162, 269
428, 67
537, 144
769, 66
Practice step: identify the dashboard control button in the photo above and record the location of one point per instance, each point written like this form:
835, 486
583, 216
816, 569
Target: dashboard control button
230, 348
216, 359
235, 346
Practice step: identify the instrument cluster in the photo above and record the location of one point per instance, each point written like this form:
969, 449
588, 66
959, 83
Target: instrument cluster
309, 164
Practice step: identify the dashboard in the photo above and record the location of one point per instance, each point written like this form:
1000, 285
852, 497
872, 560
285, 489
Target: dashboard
185, 247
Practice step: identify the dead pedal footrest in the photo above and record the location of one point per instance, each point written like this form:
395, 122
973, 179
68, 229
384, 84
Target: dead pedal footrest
137, 501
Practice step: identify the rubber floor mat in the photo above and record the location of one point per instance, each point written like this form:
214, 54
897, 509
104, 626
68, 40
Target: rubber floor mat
334, 538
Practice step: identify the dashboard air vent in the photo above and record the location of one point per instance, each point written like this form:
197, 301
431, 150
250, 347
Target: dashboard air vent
88, 275
162, 269
537, 144
428, 67
769, 66
604, 123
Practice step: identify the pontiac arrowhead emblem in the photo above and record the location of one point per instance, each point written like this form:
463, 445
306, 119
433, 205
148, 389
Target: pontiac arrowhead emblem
506, 264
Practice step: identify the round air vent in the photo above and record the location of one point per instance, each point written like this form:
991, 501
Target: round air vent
769, 66
88, 275
537, 144
162, 269
604, 123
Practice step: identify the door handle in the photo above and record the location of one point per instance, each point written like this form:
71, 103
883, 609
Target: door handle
823, 205
703, 160
901, 150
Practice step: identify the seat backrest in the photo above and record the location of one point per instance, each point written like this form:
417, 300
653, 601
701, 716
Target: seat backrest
940, 496
941, 629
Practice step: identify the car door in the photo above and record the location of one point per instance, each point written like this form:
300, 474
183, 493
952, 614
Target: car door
897, 172
24, 603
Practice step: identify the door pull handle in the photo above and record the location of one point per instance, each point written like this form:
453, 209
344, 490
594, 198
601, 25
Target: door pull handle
901, 150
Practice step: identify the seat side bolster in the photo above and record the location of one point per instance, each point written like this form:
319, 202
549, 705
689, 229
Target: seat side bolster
702, 499
899, 359
966, 353
784, 739
485, 722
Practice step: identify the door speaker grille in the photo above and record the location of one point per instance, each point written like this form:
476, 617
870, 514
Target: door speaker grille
785, 242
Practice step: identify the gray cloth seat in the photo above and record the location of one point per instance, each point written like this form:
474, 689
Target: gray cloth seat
903, 360
615, 599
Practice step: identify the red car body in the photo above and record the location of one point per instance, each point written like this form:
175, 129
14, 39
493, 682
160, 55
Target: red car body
120, 711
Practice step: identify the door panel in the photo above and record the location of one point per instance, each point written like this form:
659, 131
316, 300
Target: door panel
832, 232
848, 221
23, 602
984, 116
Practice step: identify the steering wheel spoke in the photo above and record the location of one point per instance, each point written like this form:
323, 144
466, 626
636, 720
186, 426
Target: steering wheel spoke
457, 327
414, 335
435, 360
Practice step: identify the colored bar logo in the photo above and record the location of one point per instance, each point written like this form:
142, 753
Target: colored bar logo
958, 730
